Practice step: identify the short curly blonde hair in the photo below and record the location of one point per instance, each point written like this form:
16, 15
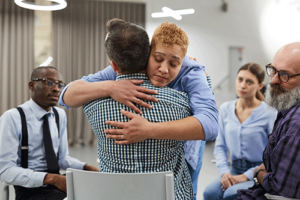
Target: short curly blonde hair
169, 34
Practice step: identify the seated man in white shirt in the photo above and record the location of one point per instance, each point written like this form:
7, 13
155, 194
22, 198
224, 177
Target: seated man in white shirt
31, 159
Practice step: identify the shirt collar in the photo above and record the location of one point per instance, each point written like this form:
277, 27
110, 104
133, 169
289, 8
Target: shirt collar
284, 112
136, 76
37, 110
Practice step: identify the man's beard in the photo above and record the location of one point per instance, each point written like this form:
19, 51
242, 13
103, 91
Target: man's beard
284, 99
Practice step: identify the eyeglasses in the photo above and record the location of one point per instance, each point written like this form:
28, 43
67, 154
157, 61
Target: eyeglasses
50, 82
283, 76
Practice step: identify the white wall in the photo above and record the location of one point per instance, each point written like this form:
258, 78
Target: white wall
211, 32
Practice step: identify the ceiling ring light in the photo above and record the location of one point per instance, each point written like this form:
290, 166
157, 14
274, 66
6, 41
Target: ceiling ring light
61, 4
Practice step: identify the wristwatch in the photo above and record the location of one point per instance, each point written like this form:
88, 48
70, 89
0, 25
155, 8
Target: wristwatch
255, 176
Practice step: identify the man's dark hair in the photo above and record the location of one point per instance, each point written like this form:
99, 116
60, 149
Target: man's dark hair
127, 45
36, 72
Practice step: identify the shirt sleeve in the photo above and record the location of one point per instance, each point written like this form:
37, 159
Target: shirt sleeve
285, 163
10, 137
65, 161
220, 150
104, 75
202, 101
249, 173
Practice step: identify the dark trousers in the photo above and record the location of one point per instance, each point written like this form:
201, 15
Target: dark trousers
41, 193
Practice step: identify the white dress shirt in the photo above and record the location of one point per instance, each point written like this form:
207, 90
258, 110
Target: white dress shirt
10, 145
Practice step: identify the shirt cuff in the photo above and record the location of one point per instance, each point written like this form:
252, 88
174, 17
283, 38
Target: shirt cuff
37, 179
78, 165
249, 174
210, 126
268, 182
224, 170
61, 101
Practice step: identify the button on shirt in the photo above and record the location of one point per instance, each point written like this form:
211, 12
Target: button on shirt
149, 155
10, 145
192, 80
244, 141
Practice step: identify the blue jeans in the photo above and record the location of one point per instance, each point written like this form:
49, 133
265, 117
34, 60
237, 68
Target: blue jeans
232, 197
214, 191
195, 173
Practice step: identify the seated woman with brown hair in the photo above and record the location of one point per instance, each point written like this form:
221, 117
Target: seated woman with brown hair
244, 126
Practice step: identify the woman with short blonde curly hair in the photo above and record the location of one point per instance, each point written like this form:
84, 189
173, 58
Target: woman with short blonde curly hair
169, 34
169, 45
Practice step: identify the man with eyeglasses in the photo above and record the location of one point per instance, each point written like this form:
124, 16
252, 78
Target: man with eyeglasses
280, 172
33, 141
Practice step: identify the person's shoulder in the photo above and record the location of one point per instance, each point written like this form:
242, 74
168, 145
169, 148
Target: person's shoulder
191, 68
174, 97
293, 114
268, 110
97, 104
13, 115
296, 109
291, 120
170, 91
59, 109
228, 104
61, 112
13, 112
191, 64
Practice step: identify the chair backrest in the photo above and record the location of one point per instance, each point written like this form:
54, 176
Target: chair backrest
117, 186
5, 191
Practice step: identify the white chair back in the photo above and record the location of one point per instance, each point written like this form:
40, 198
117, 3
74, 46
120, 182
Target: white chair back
5, 191
117, 186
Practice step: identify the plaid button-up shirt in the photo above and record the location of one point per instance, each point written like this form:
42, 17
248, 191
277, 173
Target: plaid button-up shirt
146, 156
281, 158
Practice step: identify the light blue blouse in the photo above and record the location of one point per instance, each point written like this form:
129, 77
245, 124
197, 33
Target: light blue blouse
244, 141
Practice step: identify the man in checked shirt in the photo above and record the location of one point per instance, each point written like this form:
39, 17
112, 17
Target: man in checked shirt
127, 46
280, 172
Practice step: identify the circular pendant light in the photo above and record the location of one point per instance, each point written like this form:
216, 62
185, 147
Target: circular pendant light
61, 4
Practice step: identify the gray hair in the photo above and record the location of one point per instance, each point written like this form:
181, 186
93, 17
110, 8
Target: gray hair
284, 100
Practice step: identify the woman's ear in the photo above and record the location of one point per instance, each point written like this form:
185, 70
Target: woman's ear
261, 85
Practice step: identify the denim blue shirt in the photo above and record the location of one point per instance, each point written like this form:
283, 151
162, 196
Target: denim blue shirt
10, 145
244, 141
192, 80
